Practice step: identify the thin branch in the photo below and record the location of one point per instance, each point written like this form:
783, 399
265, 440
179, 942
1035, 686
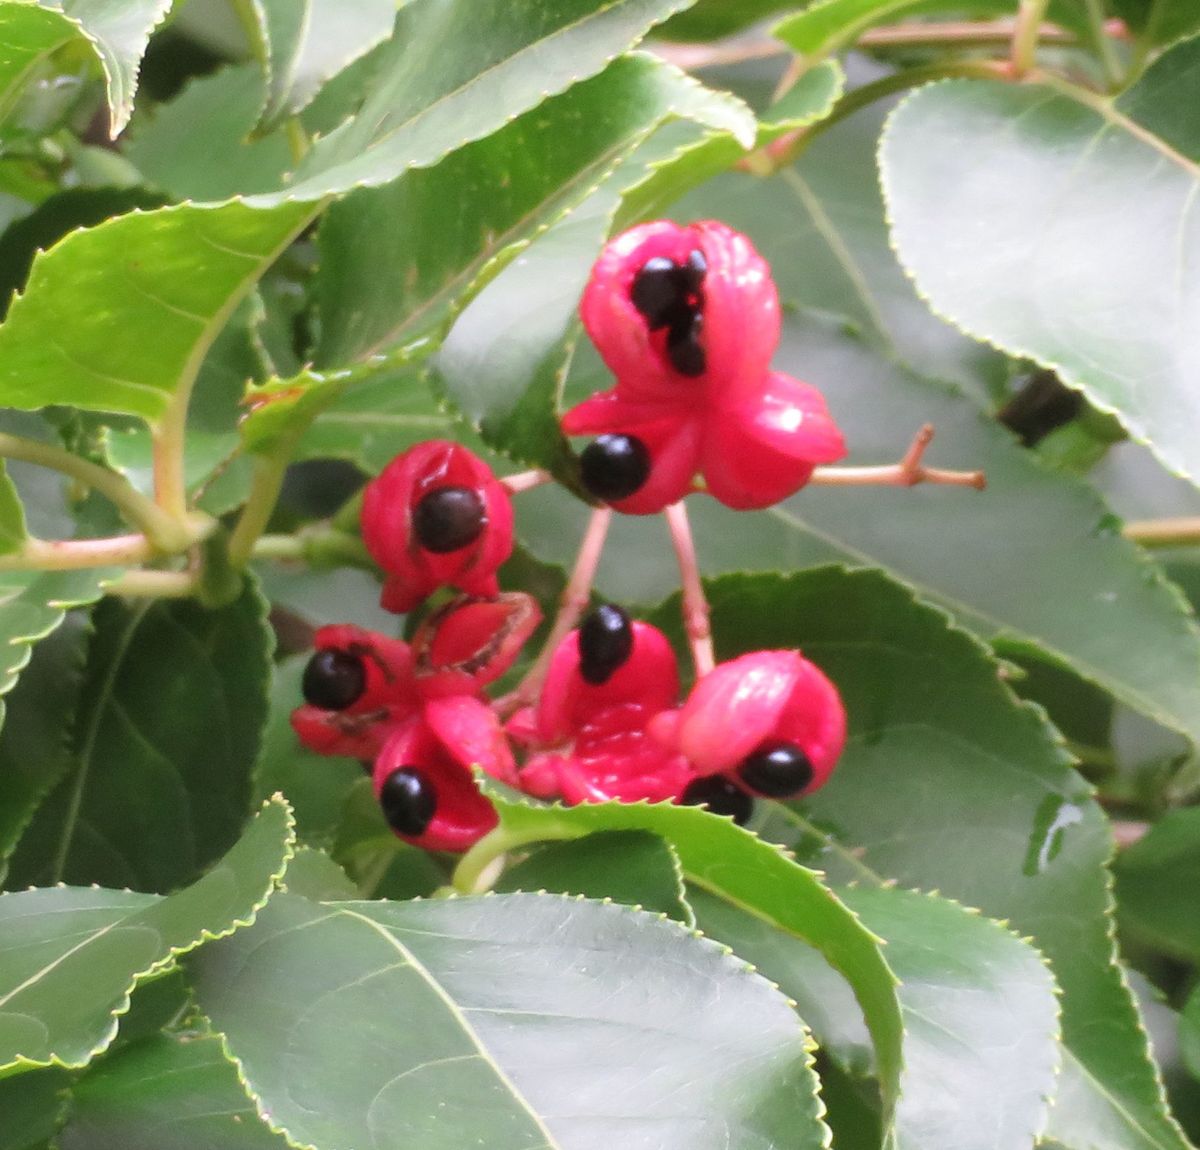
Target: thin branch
907, 473
76, 554
1183, 532
575, 598
167, 532
154, 584
526, 480
1026, 30
695, 605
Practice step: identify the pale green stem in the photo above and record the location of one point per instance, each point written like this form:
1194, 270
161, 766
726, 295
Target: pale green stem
477, 870
265, 487
1025, 35
1184, 532
318, 546
154, 585
168, 438
165, 531
76, 554
1105, 48
297, 139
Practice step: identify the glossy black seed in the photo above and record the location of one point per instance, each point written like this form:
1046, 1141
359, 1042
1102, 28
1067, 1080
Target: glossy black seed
614, 466
333, 680
720, 796
694, 270
657, 291
683, 345
779, 770
448, 519
605, 643
408, 799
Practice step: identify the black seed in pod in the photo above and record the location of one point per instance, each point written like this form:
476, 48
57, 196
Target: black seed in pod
683, 344
721, 796
408, 800
449, 518
333, 680
658, 292
692, 273
779, 770
605, 643
614, 466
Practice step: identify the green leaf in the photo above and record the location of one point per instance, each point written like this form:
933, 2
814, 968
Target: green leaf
311, 42
1158, 22
33, 604
631, 867
313, 875
118, 33
182, 269
508, 1021
212, 116
33, 743
1077, 257
1062, 581
387, 278
33, 1104
169, 1093
980, 1014
1158, 886
980, 804
12, 515
735, 865
716, 19
163, 745
71, 956
30, 35
434, 95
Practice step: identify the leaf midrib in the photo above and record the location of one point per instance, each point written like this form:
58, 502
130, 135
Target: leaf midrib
411, 960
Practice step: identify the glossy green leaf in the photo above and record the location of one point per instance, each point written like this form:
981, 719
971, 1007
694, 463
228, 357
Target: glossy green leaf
163, 746
71, 956
182, 271
169, 1093
30, 35
1067, 258
34, 750
33, 1104
495, 1021
118, 31
212, 116
33, 604
387, 278
979, 1006
1158, 886
434, 95
715, 19
12, 515
309, 43
631, 867
735, 865
948, 783
313, 875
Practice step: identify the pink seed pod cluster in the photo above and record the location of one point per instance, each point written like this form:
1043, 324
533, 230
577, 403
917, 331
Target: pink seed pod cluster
687, 319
